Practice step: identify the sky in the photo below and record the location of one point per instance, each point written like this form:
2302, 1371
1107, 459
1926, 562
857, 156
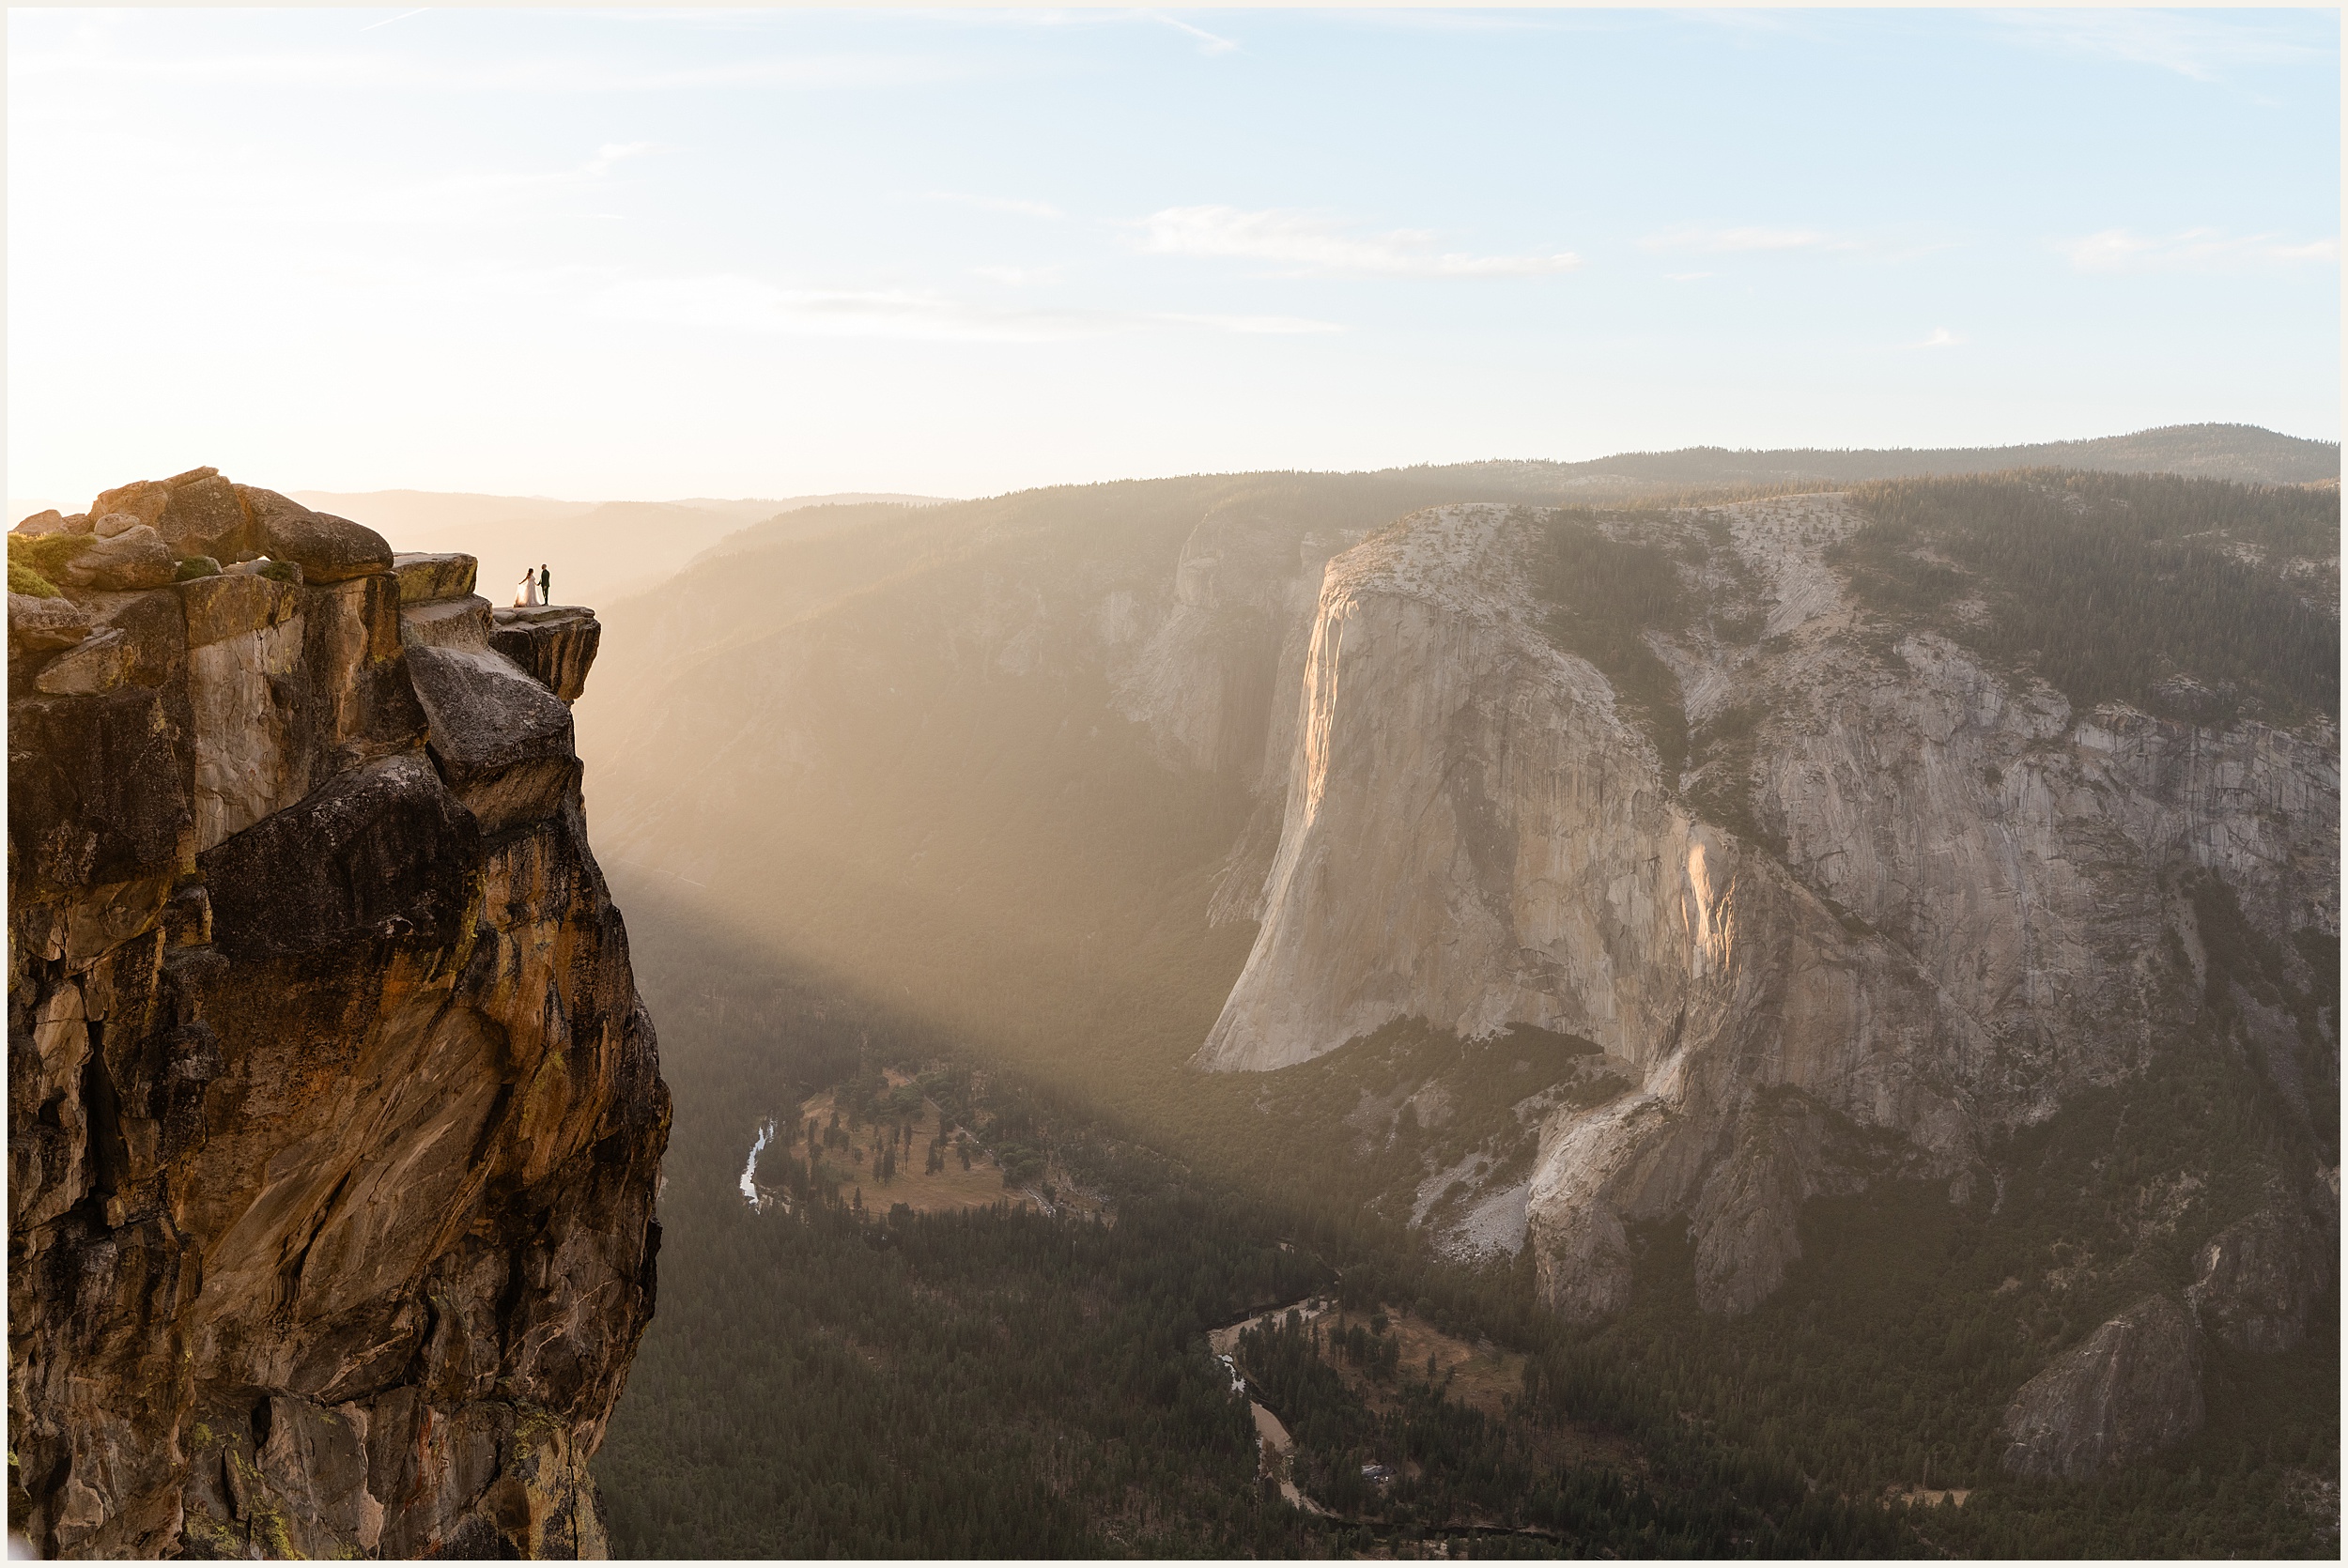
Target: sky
650, 254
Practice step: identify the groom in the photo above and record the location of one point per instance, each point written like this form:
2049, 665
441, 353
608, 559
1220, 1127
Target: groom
546, 585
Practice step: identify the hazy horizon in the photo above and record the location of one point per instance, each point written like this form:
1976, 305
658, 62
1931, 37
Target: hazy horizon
21, 506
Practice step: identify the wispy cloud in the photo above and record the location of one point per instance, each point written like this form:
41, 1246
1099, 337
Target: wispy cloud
995, 203
1419, 20
1721, 241
1088, 17
1738, 19
1209, 43
375, 71
747, 304
2204, 249
472, 195
612, 153
2196, 45
389, 20
1941, 337
1762, 239
1019, 277
1308, 244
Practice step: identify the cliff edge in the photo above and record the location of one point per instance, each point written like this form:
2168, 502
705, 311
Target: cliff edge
334, 1117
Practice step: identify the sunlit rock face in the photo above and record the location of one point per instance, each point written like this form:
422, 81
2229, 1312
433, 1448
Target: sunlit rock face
1948, 907
335, 1116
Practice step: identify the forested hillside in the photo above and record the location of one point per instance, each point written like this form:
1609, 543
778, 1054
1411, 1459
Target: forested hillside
831, 1378
828, 1377
2181, 596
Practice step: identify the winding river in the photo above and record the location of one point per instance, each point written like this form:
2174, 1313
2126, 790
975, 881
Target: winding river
1273, 1443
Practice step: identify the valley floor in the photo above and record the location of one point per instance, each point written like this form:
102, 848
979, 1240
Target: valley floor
933, 1364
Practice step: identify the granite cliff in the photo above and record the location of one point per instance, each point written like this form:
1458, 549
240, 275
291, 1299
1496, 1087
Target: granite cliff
334, 1117
1878, 906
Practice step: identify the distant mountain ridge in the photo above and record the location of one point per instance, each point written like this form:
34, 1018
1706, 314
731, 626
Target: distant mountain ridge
2246, 453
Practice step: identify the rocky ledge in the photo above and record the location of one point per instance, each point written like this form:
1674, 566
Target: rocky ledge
556, 644
334, 1117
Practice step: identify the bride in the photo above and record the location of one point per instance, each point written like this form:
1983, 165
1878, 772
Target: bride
526, 594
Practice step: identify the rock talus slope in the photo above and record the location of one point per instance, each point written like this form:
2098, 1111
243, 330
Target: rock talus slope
335, 1116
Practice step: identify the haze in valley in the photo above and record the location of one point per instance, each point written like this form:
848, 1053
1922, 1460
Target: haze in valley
1388, 783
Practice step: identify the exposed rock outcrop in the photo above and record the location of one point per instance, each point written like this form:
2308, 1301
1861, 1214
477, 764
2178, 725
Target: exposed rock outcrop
2131, 1387
326, 547
334, 1118
42, 626
128, 558
1942, 907
555, 643
424, 577
2260, 1278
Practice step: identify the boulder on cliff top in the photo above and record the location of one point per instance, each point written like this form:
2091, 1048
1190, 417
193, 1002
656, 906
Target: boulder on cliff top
2131, 1387
133, 557
327, 548
37, 624
50, 522
142, 499
205, 517
147, 500
424, 577
382, 851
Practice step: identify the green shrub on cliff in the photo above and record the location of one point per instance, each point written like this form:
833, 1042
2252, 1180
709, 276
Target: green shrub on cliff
37, 560
24, 579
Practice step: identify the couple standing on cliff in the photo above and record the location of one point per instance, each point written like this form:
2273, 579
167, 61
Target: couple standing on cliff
536, 587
